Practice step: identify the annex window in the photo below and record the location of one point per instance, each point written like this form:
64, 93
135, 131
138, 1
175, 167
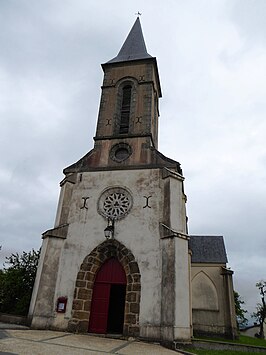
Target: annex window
125, 109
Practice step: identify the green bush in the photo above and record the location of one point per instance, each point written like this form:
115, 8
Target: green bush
16, 282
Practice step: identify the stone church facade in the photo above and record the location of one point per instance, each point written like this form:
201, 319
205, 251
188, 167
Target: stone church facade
119, 258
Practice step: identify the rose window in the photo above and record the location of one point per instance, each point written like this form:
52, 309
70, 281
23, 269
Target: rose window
115, 203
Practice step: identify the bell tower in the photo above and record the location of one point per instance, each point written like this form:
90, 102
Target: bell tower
127, 126
130, 93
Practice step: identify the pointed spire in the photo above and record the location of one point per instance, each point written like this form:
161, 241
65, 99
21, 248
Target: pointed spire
134, 47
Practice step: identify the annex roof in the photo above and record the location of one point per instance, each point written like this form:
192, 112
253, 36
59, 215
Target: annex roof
207, 249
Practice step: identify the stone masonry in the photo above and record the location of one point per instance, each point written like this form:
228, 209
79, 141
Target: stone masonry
85, 281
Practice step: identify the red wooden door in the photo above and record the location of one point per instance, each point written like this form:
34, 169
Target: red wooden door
99, 306
109, 274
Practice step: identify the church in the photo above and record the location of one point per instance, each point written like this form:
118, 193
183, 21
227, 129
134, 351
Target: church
119, 259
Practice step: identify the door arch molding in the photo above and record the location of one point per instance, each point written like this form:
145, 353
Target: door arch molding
81, 306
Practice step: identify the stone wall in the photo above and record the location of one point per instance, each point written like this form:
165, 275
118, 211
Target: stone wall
212, 308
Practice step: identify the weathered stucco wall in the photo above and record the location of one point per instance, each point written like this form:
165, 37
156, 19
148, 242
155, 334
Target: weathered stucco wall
42, 305
212, 304
139, 232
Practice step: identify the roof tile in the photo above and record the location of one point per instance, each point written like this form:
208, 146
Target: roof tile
207, 249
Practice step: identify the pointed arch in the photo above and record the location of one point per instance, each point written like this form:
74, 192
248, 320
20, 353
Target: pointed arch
204, 293
81, 306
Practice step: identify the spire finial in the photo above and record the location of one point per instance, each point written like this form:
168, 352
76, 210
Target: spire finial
138, 14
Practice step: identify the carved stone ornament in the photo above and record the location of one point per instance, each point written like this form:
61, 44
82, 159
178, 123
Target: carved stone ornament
115, 203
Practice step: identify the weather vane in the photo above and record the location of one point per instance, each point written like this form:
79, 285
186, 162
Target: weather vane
138, 13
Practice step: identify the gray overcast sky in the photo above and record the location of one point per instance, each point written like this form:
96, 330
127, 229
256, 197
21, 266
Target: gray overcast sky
212, 63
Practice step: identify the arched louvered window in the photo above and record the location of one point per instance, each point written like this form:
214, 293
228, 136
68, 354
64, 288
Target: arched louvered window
125, 109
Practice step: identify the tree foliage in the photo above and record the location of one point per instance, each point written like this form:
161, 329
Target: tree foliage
240, 312
260, 313
16, 282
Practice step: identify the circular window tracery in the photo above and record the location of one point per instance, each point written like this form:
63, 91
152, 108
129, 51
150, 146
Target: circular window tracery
120, 152
115, 203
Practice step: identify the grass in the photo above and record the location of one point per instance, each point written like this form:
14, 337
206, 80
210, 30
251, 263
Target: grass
218, 352
244, 340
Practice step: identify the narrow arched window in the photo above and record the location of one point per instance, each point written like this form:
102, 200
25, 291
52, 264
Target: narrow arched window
125, 109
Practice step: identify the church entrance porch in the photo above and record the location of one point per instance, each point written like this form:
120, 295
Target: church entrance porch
108, 299
107, 292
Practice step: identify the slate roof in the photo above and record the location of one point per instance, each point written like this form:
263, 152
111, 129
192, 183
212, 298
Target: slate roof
134, 47
207, 249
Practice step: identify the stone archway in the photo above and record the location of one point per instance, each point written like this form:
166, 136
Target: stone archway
84, 286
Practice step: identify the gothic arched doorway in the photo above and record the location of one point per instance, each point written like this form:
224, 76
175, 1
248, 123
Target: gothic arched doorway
81, 306
108, 299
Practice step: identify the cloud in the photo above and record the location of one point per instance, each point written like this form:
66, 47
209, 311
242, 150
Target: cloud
249, 16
